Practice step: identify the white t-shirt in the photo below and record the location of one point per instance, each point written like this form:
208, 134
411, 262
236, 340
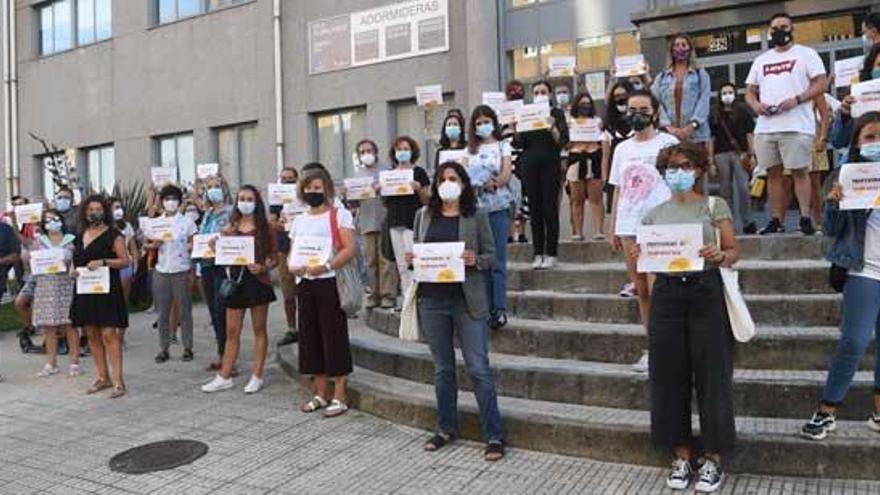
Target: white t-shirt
872, 248
174, 255
640, 186
782, 75
319, 226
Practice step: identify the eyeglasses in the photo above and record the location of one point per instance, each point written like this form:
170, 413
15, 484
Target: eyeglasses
683, 165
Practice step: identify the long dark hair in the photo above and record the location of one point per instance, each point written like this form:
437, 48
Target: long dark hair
615, 120
120, 224
263, 234
575, 106
868, 65
84, 207
467, 202
474, 140
854, 149
445, 142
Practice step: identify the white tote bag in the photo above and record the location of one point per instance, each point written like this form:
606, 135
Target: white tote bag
409, 315
741, 323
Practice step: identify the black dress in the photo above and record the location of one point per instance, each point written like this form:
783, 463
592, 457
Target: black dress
99, 310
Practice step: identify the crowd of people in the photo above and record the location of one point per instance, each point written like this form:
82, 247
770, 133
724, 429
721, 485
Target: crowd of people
661, 141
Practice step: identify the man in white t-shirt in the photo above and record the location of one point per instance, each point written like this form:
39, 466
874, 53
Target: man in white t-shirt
781, 86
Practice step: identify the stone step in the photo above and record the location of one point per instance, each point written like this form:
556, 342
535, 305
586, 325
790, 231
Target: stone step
756, 277
770, 393
809, 310
779, 247
764, 445
772, 348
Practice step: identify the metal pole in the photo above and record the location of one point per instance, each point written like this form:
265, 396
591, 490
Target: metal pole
279, 89
13, 69
7, 128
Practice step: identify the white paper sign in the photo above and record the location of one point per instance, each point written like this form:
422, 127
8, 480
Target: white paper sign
93, 281
595, 84
533, 117
162, 176
630, 65
867, 96
309, 251
453, 156
159, 228
585, 130
846, 71
290, 211
281, 194
47, 261
29, 213
494, 99
396, 182
357, 188
234, 251
861, 186
507, 112
670, 248
561, 66
207, 170
429, 95
202, 246
439, 262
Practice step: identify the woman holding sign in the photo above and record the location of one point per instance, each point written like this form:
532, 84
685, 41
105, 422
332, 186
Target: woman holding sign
855, 258
586, 155
690, 337
49, 256
99, 254
451, 300
842, 128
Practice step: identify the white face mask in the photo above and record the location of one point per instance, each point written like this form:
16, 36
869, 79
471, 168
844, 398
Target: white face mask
449, 191
170, 205
562, 98
118, 214
368, 159
728, 98
541, 98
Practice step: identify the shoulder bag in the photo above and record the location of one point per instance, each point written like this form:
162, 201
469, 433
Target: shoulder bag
348, 285
741, 323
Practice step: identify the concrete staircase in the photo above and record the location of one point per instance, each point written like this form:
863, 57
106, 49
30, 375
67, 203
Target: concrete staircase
564, 376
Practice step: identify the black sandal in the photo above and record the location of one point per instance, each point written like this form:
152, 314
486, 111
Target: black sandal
438, 441
494, 451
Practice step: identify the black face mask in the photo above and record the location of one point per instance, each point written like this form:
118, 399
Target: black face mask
640, 121
585, 111
515, 96
313, 199
96, 218
780, 37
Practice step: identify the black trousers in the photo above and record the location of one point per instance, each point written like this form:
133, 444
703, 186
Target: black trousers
543, 182
691, 346
323, 330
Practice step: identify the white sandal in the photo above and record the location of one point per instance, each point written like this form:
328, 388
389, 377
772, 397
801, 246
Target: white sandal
313, 405
336, 408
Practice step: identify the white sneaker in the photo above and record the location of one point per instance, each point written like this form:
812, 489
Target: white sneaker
254, 385
538, 263
680, 476
47, 371
711, 477
217, 384
74, 370
549, 262
642, 364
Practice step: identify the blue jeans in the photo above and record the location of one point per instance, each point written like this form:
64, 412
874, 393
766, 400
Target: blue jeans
212, 278
861, 320
438, 319
496, 278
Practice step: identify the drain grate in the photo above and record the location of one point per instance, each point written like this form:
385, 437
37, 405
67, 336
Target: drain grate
158, 456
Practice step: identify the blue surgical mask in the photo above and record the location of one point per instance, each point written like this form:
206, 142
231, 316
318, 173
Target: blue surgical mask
403, 156
63, 204
453, 132
875, 73
485, 130
680, 180
870, 152
53, 226
247, 207
215, 195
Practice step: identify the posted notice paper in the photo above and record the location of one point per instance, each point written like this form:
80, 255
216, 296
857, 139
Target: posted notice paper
93, 281
670, 248
207, 170
507, 111
562, 66
359, 188
162, 176
457, 156
281, 194
429, 95
234, 251
630, 65
309, 251
494, 99
47, 261
159, 228
585, 130
202, 246
867, 96
861, 186
439, 262
29, 213
846, 71
396, 182
533, 117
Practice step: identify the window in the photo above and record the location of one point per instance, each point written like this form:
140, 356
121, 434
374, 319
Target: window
816, 31
56, 27
337, 134
236, 151
220, 4
173, 10
593, 54
93, 21
525, 63
46, 163
101, 169
560, 49
177, 151
524, 3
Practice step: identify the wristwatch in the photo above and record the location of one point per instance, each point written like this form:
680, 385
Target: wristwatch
694, 124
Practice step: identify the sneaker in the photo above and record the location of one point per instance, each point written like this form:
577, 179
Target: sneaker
336, 408
74, 370
217, 384
47, 371
711, 477
750, 229
522, 239
806, 227
498, 319
538, 263
187, 355
628, 290
874, 422
162, 357
819, 426
254, 385
289, 338
577, 238
549, 263
774, 226
681, 474
398, 307
642, 364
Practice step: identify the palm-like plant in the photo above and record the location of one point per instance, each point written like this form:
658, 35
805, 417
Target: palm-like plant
133, 198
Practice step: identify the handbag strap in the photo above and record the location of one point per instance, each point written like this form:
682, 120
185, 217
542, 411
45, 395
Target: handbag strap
240, 274
733, 141
334, 230
712, 202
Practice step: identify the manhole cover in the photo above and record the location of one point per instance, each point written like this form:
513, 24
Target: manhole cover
158, 456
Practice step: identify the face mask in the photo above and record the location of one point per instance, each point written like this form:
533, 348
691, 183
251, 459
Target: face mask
368, 159
449, 191
96, 218
541, 98
638, 86
313, 199
63, 204
485, 130
780, 37
585, 110
53, 226
562, 98
247, 207
727, 99
403, 156
193, 216
453, 132
215, 195
875, 73
516, 95
680, 180
118, 214
870, 152
681, 54
621, 106
640, 122
170, 205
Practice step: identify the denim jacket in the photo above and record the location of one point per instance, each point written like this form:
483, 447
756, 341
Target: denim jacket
694, 104
848, 229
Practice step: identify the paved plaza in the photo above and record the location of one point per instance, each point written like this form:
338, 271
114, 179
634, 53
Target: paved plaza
54, 439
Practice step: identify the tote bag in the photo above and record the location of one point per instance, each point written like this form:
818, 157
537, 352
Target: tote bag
351, 294
741, 323
409, 315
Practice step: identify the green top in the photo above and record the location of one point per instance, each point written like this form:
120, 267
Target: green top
697, 211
